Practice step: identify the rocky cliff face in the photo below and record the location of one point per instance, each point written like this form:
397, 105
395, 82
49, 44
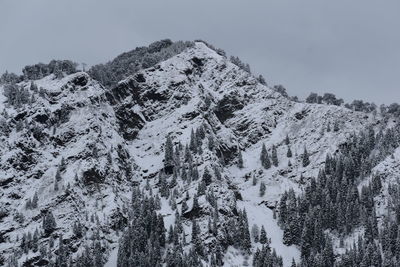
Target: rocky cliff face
82, 147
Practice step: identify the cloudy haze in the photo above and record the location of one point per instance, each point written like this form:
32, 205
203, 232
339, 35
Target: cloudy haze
350, 48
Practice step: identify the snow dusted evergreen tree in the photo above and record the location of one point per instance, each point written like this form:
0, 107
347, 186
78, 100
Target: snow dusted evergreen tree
62, 165
168, 152
49, 223
35, 200
195, 205
193, 142
201, 188
33, 87
287, 140
32, 203
163, 184
305, 158
255, 232
261, 80
188, 155
244, 231
211, 143
264, 157
77, 229
289, 152
240, 160
328, 128
336, 126
207, 178
173, 181
194, 173
254, 181
196, 241
262, 189
55, 185
274, 156
263, 236
184, 206
58, 175
217, 173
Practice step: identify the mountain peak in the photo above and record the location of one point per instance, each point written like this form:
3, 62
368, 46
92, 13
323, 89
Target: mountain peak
192, 142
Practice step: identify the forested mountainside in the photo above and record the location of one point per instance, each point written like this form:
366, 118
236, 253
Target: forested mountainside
176, 155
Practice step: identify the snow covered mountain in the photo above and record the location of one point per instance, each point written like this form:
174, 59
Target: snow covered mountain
181, 144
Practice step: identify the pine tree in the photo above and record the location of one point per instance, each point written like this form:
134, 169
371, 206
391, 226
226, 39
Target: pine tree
336, 126
287, 140
274, 156
263, 236
55, 185
261, 80
173, 182
58, 175
217, 173
195, 238
49, 223
207, 179
77, 229
12, 261
164, 188
61, 258
262, 189
168, 152
240, 160
35, 200
35, 240
201, 188
219, 255
171, 234
306, 238
33, 87
195, 173
255, 233
98, 254
28, 204
265, 162
305, 158
244, 230
211, 143
195, 205
177, 157
63, 165
193, 142
209, 226
254, 180
289, 152
188, 155
184, 207
173, 202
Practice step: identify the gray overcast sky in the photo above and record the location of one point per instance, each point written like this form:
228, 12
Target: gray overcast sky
350, 48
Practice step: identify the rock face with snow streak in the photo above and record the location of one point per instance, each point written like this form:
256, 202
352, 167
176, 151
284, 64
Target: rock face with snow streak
104, 141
